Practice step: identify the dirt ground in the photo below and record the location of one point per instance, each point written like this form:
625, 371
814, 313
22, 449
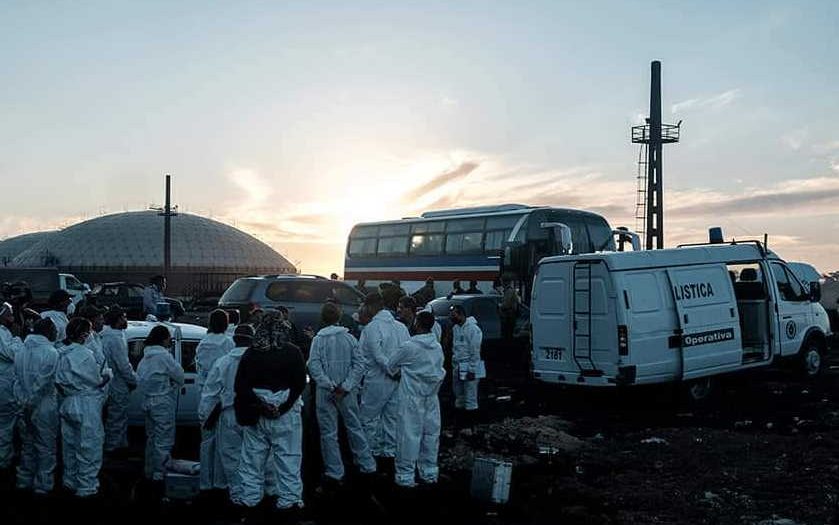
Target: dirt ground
764, 451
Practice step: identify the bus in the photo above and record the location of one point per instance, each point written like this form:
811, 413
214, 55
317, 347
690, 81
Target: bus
480, 244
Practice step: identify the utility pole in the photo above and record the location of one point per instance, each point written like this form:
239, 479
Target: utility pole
167, 211
652, 136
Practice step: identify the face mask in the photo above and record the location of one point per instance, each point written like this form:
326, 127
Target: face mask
71, 309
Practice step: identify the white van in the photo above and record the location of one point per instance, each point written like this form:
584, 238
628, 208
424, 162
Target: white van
683, 314
185, 339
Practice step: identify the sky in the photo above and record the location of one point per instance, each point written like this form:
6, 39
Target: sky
295, 120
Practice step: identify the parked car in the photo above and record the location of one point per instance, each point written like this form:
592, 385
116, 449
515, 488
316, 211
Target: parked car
485, 310
130, 297
185, 339
303, 295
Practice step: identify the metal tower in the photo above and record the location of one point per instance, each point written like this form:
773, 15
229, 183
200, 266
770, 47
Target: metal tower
649, 204
167, 211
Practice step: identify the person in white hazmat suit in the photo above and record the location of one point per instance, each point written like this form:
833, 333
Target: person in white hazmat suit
80, 380
60, 307
10, 346
336, 366
216, 410
213, 346
420, 362
379, 403
159, 377
35, 393
466, 360
94, 342
269, 381
115, 347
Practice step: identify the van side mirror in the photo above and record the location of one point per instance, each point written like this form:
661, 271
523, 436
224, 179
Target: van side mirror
815, 292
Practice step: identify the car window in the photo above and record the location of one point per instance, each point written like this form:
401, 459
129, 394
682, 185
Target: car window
188, 355
109, 292
788, 286
484, 310
311, 292
133, 291
74, 284
345, 295
278, 291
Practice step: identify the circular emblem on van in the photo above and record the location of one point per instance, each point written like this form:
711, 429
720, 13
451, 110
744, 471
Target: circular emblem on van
792, 329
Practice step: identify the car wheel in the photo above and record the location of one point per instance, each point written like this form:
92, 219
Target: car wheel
699, 391
811, 359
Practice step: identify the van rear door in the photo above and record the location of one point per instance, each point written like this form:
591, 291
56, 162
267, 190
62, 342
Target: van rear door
551, 314
710, 340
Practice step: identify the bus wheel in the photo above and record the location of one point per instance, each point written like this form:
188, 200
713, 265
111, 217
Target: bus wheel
810, 359
699, 391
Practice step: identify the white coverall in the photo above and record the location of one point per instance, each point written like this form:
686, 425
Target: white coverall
94, 342
80, 380
466, 355
10, 346
420, 361
379, 404
335, 360
210, 349
35, 393
115, 348
60, 320
280, 439
159, 377
219, 388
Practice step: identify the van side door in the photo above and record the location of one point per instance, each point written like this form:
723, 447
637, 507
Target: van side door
710, 341
793, 308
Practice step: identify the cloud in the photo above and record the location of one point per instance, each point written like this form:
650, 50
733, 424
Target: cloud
813, 196
717, 101
440, 180
795, 139
449, 102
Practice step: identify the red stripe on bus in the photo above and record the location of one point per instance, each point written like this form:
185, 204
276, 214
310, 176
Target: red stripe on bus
421, 276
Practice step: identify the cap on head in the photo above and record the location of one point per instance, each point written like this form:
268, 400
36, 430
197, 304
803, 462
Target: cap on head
425, 321
46, 328
114, 314
91, 312
59, 297
243, 335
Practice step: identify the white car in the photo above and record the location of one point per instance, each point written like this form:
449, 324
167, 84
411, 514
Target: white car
185, 339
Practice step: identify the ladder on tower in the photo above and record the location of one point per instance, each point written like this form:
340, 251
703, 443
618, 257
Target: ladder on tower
641, 192
582, 351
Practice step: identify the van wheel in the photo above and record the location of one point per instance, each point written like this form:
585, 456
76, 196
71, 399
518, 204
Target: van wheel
699, 391
811, 359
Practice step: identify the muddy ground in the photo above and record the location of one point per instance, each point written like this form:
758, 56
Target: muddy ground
765, 450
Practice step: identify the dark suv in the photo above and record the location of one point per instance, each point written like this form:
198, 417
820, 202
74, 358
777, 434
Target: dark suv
303, 295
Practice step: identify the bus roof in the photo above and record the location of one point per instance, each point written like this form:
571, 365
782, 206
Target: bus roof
479, 211
689, 255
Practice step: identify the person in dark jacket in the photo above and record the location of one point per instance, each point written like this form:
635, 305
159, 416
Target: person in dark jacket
269, 382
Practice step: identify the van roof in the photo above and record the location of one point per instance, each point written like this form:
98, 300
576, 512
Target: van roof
705, 254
